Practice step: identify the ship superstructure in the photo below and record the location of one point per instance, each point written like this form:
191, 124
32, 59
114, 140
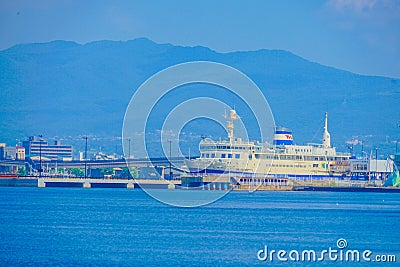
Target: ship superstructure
282, 159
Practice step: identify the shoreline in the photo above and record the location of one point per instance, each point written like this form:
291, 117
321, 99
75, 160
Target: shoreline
33, 182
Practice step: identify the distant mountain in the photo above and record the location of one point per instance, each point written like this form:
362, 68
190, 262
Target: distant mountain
65, 89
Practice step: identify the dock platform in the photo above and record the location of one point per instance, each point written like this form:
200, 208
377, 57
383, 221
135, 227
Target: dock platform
106, 183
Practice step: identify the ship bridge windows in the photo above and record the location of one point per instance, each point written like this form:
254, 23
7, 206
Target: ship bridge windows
207, 147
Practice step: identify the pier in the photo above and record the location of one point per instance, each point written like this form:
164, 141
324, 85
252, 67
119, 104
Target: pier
106, 183
186, 183
195, 183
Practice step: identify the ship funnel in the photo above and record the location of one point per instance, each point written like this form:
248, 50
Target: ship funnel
232, 115
283, 136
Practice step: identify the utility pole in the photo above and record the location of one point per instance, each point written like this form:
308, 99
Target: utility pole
40, 156
129, 148
85, 156
362, 149
376, 163
170, 159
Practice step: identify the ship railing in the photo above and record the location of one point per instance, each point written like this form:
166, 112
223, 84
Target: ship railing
343, 154
315, 145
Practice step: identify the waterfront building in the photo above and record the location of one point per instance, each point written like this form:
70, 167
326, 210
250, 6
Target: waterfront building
10, 152
2, 151
34, 147
370, 168
20, 153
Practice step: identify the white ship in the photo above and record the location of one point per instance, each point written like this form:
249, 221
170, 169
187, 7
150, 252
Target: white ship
282, 159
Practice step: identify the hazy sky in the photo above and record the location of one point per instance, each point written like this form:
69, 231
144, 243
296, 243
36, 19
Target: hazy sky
362, 36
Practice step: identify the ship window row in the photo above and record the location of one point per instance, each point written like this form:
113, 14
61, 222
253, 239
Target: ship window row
288, 166
271, 181
308, 158
360, 167
224, 147
271, 157
302, 150
223, 155
290, 157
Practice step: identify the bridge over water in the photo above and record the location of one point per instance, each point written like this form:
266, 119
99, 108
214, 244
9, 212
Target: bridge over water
95, 164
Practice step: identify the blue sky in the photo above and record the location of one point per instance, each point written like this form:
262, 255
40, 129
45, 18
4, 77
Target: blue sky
362, 36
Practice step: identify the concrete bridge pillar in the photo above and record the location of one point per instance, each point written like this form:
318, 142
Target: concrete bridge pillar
130, 185
86, 184
41, 183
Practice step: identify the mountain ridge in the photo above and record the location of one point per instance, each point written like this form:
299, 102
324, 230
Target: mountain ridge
63, 88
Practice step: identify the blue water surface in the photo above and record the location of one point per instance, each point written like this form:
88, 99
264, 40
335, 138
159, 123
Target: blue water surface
122, 227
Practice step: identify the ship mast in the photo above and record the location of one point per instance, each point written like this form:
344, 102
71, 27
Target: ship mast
231, 118
326, 137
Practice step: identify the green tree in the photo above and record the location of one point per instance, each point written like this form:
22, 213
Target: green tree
22, 171
77, 172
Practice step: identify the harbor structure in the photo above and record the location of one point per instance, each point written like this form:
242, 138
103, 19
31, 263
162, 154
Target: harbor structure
39, 149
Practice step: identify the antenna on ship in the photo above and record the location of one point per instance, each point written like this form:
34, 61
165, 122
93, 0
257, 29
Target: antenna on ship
326, 137
231, 118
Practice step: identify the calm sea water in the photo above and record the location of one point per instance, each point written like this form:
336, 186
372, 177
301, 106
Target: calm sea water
121, 227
